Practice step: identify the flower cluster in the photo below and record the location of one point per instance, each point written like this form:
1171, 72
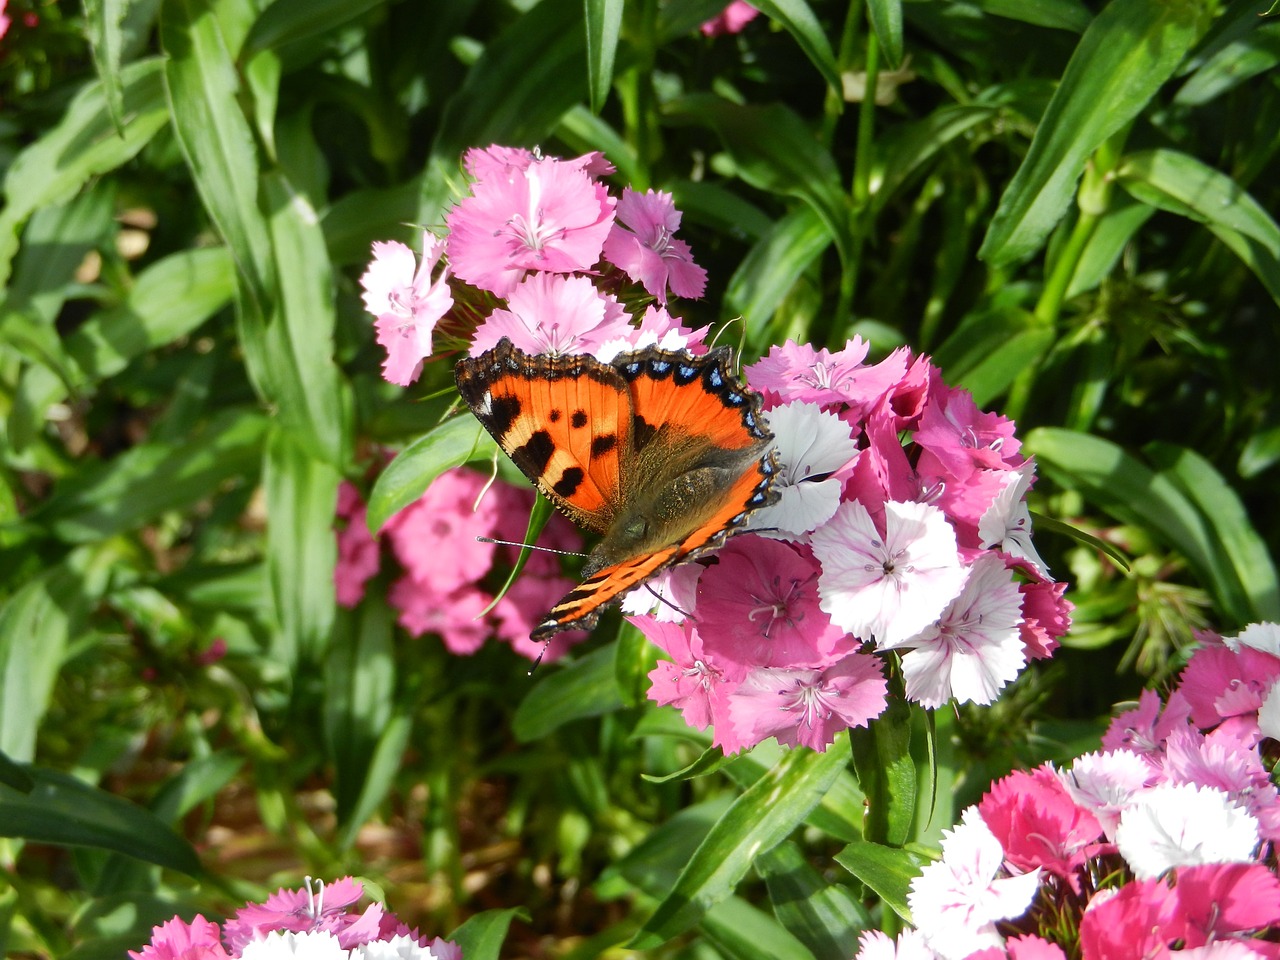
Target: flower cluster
901, 528
451, 599
1158, 846
312, 922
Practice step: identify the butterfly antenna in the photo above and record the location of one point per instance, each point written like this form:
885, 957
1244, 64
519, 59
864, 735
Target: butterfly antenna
663, 600
538, 659
531, 546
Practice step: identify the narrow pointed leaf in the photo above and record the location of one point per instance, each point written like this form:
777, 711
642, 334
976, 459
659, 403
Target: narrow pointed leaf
886, 870
482, 935
405, 478
886, 20
603, 23
824, 916
799, 20
585, 688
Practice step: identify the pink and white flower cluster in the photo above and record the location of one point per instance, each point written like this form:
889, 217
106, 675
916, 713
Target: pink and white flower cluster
901, 530
312, 922
1160, 846
533, 252
450, 599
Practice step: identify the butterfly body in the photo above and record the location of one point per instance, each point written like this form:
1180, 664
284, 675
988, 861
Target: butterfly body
661, 452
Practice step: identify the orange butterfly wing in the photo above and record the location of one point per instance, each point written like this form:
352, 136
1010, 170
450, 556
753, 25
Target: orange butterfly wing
662, 452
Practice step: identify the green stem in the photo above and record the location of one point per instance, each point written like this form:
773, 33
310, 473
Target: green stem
860, 187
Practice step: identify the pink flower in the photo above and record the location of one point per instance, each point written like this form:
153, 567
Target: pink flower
731, 19
444, 522
1046, 616
657, 328
1031, 947
523, 607
548, 313
1006, 523
358, 554
642, 245
322, 909
808, 707
1141, 920
693, 681
4, 24
797, 371
1222, 899
887, 586
1227, 764
1144, 729
758, 606
1106, 783
456, 616
549, 216
406, 303
962, 437
200, 939
1222, 686
975, 647
1038, 824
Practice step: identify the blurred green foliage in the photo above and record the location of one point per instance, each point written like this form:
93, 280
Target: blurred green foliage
1065, 202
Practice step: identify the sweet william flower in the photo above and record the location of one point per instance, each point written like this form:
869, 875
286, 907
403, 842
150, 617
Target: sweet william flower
910, 945
547, 313
549, 216
407, 304
731, 19
1179, 825
642, 245
318, 909
887, 586
176, 939
311, 945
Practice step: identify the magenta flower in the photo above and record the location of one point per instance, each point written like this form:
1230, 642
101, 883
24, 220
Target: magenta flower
358, 554
642, 245
550, 216
1039, 824
407, 304
1223, 686
962, 437
1225, 899
319, 909
444, 522
808, 707
798, 371
548, 313
887, 586
1145, 729
731, 19
1046, 616
521, 609
657, 328
758, 606
455, 616
200, 939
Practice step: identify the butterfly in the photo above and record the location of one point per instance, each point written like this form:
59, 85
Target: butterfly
661, 452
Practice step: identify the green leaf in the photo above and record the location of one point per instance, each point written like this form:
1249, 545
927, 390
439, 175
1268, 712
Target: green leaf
146, 480
585, 688
653, 865
773, 149
1112, 233
1232, 532
359, 687
603, 23
526, 79
989, 349
200, 39
886, 870
384, 767
758, 820
309, 393
1057, 14
286, 21
1130, 49
65, 811
676, 20
886, 20
826, 917
302, 495
740, 931
482, 935
1131, 492
103, 19
1235, 62
907, 148
799, 20
887, 773
405, 478
1181, 184
84, 144
15, 775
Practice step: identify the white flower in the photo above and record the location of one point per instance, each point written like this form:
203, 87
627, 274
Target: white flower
874, 945
956, 902
397, 948
976, 647
1269, 713
887, 588
812, 446
1183, 825
1105, 783
312, 945
1006, 524
1264, 637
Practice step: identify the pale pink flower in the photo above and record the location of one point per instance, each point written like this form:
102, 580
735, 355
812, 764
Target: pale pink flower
496, 162
548, 313
975, 646
456, 616
1106, 783
400, 293
693, 680
642, 245
1225, 763
956, 901
798, 371
1031, 947
758, 606
887, 586
1006, 524
808, 707
1181, 825
176, 939
1263, 637
550, 216
1144, 729
1141, 919
815, 452
669, 597
657, 329
731, 19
